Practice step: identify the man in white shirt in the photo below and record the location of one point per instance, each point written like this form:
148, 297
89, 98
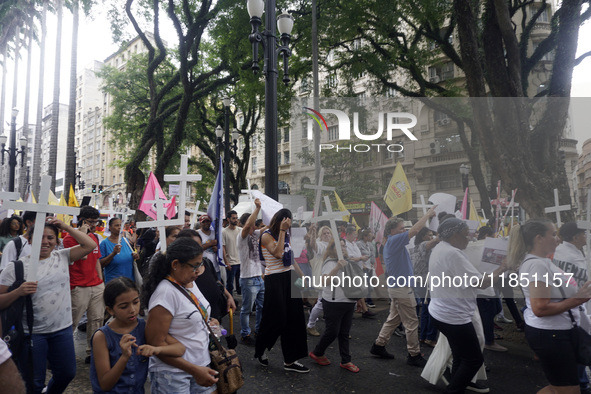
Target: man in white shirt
570, 258
209, 242
231, 258
251, 272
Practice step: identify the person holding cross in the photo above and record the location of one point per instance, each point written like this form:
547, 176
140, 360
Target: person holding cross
52, 335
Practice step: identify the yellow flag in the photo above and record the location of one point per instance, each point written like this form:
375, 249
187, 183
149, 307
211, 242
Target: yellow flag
473, 213
52, 199
62, 202
398, 196
342, 208
72, 201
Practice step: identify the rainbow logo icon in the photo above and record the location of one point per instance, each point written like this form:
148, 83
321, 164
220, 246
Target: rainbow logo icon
317, 117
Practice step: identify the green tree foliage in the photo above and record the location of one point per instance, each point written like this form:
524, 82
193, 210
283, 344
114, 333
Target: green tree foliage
490, 42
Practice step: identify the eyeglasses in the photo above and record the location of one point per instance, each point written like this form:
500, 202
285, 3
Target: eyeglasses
91, 222
195, 267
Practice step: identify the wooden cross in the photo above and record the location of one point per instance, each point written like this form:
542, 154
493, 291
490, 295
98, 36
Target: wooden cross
249, 192
183, 178
557, 208
586, 224
195, 212
319, 188
42, 210
160, 223
422, 205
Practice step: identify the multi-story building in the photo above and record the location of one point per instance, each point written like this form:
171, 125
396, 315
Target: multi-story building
584, 179
60, 168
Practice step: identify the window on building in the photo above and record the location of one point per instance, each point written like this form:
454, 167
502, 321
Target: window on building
286, 134
305, 129
240, 121
286, 157
448, 179
305, 153
391, 92
279, 135
254, 165
441, 72
548, 56
89, 148
304, 86
254, 142
333, 133
449, 144
544, 17
278, 158
97, 159
331, 81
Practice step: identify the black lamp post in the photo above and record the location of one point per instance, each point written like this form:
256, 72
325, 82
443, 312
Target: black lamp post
464, 171
12, 151
271, 49
226, 101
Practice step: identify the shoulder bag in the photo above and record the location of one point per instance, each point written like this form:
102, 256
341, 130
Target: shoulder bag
223, 360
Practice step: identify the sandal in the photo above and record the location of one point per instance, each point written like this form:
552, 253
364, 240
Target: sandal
320, 360
350, 367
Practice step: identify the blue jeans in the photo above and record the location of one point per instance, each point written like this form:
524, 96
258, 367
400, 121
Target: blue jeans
234, 272
488, 309
428, 329
253, 290
57, 348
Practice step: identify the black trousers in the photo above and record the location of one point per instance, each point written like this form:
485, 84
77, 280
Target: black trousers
283, 316
465, 349
338, 318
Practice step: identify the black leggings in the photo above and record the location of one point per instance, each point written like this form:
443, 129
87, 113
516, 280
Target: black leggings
465, 349
338, 319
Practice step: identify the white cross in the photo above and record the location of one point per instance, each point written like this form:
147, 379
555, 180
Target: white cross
333, 226
422, 205
7, 196
111, 211
183, 177
557, 208
319, 189
587, 224
41, 210
195, 212
249, 192
160, 223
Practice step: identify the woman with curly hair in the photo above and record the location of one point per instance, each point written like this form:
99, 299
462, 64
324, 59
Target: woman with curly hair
10, 228
177, 308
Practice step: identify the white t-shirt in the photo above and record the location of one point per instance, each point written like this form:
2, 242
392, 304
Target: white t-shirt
453, 304
320, 248
209, 253
229, 241
570, 259
187, 325
544, 268
250, 263
327, 292
9, 252
354, 252
52, 304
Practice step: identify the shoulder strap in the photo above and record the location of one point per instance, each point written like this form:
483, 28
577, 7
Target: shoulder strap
19, 271
214, 339
18, 244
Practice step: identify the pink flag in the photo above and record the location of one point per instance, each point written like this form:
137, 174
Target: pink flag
171, 208
464, 209
377, 222
152, 187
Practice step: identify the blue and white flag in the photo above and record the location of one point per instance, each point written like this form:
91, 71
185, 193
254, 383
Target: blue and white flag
215, 211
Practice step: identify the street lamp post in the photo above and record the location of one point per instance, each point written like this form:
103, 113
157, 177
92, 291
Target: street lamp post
464, 171
227, 154
219, 133
271, 49
12, 151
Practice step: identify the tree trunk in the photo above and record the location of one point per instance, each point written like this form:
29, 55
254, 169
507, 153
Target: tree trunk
23, 179
70, 176
55, 106
36, 177
3, 98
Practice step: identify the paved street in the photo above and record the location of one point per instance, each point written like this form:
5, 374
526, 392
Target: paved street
510, 372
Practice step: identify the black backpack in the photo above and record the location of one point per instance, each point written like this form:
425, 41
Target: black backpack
18, 245
12, 324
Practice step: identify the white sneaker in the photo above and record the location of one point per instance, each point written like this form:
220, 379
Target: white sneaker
503, 319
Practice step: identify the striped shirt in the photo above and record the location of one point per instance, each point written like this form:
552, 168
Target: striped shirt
274, 265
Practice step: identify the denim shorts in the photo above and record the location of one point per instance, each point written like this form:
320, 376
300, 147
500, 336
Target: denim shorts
168, 382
